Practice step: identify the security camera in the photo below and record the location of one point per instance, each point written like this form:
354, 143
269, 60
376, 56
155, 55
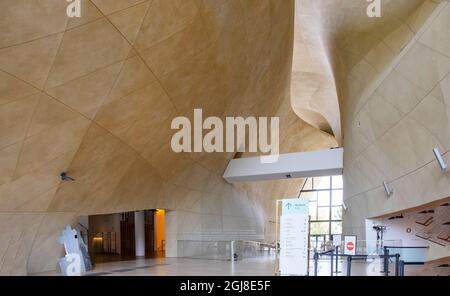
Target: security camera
65, 177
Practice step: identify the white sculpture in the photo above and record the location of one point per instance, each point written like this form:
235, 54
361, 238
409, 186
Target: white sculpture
74, 263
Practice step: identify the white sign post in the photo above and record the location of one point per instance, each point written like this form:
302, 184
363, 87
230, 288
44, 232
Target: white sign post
350, 245
294, 237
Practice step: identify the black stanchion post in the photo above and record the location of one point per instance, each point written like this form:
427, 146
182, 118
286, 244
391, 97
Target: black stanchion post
386, 261
402, 268
337, 257
397, 264
349, 265
331, 264
316, 257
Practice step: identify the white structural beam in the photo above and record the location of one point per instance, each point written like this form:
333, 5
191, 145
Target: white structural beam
289, 166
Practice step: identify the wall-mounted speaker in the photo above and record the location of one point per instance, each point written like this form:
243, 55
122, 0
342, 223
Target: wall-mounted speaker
439, 159
344, 207
389, 190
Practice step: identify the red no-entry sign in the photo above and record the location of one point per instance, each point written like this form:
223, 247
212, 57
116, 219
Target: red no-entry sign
350, 244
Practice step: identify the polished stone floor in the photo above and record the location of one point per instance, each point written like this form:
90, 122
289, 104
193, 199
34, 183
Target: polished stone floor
262, 266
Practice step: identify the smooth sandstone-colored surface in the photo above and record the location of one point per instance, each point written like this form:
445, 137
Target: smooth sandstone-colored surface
94, 96
396, 112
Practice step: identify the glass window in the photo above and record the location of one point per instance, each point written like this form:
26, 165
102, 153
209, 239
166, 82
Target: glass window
336, 227
322, 183
308, 185
323, 198
313, 242
313, 210
320, 241
337, 182
323, 213
336, 213
337, 197
320, 228
311, 195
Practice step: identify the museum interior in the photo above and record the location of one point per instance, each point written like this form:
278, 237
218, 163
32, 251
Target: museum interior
358, 93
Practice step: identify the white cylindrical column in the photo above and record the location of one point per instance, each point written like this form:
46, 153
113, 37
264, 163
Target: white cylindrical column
139, 233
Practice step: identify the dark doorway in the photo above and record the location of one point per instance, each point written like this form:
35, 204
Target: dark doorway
127, 234
112, 236
149, 233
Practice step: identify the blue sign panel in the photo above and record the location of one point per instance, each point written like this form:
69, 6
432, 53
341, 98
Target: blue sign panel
295, 206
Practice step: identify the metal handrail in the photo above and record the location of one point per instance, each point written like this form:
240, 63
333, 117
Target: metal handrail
326, 252
229, 250
407, 247
333, 252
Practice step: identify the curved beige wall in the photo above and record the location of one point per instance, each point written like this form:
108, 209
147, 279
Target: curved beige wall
391, 78
95, 96
397, 110
398, 114
313, 90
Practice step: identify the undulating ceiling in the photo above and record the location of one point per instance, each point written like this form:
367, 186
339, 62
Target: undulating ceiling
331, 37
95, 96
